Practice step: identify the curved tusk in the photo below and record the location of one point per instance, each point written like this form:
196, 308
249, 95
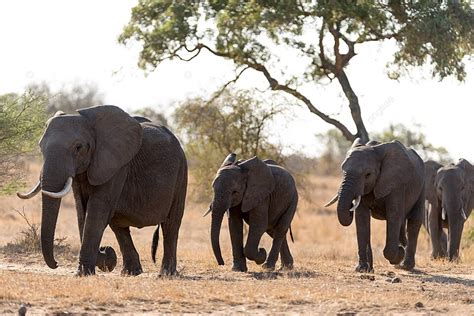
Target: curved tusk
463, 213
63, 192
443, 214
356, 205
30, 194
208, 211
333, 200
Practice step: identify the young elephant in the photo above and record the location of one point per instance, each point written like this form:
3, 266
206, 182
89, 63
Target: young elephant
450, 194
264, 195
386, 181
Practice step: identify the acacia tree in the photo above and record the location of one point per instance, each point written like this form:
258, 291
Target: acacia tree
326, 33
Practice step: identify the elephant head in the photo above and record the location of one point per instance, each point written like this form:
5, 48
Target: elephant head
370, 168
454, 186
97, 142
243, 184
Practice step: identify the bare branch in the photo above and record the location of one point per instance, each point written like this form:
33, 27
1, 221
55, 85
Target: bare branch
218, 93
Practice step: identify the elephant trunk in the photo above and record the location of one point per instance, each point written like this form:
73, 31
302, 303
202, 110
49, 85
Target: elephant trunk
347, 194
217, 216
50, 210
53, 180
453, 211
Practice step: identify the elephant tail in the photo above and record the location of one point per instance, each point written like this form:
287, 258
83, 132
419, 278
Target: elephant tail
291, 235
154, 243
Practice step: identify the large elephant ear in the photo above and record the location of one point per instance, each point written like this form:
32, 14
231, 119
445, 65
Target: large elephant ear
260, 183
469, 173
118, 137
431, 169
396, 168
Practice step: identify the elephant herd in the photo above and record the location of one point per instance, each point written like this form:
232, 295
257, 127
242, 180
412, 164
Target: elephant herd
126, 171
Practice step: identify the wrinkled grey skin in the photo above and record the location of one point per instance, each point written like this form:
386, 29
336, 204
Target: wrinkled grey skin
263, 195
389, 179
125, 173
450, 188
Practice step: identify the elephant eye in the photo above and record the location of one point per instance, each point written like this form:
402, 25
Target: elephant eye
78, 147
368, 174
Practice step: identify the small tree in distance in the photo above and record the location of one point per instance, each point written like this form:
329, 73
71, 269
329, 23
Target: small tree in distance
233, 122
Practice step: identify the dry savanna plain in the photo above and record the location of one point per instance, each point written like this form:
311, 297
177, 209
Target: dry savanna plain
323, 280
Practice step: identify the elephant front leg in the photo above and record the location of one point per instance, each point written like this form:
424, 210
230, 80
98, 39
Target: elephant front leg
436, 232
414, 222
258, 221
362, 216
393, 251
237, 240
94, 225
131, 259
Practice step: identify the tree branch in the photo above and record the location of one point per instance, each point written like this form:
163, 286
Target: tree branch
218, 93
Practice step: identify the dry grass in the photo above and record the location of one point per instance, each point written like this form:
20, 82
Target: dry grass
323, 280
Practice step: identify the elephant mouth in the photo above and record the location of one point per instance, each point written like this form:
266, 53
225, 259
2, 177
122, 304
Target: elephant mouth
355, 203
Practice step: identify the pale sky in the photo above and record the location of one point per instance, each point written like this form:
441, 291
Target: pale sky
62, 42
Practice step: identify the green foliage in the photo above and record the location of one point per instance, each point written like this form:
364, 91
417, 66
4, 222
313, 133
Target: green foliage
234, 122
152, 115
22, 120
426, 31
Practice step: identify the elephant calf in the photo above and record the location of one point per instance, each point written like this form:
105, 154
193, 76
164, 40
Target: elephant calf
450, 195
384, 181
262, 194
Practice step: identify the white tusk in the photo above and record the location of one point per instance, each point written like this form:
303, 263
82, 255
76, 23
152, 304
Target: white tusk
63, 192
30, 194
463, 213
227, 212
356, 205
208, 211
333, 200
443, 214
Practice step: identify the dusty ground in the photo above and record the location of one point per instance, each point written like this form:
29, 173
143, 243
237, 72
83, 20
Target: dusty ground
323, 280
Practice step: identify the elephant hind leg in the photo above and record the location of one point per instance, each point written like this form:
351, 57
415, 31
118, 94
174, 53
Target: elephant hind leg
279, 236
286, 257
131, 259
170, 229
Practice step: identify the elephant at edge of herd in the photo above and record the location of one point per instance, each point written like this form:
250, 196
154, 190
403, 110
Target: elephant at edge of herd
262, 194
124, 171
384, 181
450, 197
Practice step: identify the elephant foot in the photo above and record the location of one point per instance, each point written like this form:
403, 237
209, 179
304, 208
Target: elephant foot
132, 271
258, 256
408, 264
106, 259
396, 256
364, 267
268, 266
168, 273
287, 266
262, 256
85, 270
239, 266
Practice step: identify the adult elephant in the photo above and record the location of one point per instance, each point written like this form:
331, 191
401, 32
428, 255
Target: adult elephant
123, 173
262, 194
450, 194
384, 181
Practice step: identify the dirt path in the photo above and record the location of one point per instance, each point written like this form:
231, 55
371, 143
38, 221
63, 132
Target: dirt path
329, 288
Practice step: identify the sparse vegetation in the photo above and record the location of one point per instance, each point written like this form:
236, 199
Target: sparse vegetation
29, 240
